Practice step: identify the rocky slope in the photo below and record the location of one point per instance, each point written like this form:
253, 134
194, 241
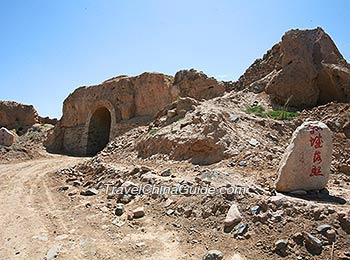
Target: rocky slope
303, 70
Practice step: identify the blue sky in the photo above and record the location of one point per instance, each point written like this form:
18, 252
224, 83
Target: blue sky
49, 48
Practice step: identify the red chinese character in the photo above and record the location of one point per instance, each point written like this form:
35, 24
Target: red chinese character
317, 157
313, 129
316, 171
316, 141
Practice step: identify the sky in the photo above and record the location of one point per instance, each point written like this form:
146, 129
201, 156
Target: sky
49, 48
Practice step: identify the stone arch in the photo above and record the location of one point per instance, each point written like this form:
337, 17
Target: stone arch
99, 130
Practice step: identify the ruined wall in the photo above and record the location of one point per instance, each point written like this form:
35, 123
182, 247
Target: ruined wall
130, 101
17, 116
124, 97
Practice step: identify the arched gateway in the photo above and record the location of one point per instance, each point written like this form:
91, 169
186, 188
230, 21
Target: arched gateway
99, 131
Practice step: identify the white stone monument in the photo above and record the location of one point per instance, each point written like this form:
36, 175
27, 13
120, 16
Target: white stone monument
307, 160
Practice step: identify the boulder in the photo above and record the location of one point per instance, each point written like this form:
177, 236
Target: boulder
7, 138
306, 162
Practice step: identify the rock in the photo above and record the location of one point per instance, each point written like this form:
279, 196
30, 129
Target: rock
316, 213
125, 199
255, 103
234, 117
323, 228
166, 172
195, 84
262, 217
240, 229
331, 235
140, 244
53, 252
168, 202
253, 142
63, 188
313, 244
213, 255
298, 238
7, 138
129, 187
344, 168
278, 200
346, 129
170, 212
145, 169
187, 212
130, 216
117, 222
89, 192
344, 220
344, 255
273, 137
281, 244
76, 183
243, 163
281, 247
233, 216
171, 113
135, 170
119, 210
138, 212
307, 160
255, 210
17, 116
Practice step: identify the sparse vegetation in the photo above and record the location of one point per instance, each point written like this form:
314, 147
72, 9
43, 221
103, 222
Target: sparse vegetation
281, 114
153, 131
256, 110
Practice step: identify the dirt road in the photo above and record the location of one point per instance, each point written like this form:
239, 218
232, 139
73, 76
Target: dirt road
30, 215
39, 222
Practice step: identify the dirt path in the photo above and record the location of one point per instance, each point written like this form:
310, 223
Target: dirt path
27, 206
37, 220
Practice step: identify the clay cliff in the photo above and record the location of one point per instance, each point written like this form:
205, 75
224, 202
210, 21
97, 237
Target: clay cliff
17, 116
304, 70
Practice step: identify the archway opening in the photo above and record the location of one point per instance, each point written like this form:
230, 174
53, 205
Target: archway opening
99, 130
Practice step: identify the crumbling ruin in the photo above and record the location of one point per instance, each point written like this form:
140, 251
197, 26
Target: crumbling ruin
304, 70
92, 116
16, 116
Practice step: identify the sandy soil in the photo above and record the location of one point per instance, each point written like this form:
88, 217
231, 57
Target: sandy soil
36, 219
